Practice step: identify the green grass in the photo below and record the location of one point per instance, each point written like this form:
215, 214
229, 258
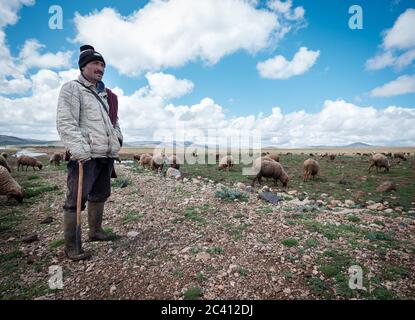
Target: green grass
231, 194
290, 242
236, 231
214, 250
132, 216
200, 277
193, 293
120, 182
56, 243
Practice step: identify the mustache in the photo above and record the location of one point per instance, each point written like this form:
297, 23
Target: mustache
99, 72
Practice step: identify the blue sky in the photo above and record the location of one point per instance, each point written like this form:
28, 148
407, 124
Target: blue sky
338, 76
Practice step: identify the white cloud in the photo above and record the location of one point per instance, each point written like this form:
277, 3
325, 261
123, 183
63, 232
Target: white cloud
146, 114
167, 86
279, 68
398, 44
402, 85
401, 35
172, 33
13, 77
30, 56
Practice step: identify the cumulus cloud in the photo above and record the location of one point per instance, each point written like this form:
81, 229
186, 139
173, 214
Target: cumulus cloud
147, 114
402, 85
398, 45
172, 33
167, 86
280, 68
13, 70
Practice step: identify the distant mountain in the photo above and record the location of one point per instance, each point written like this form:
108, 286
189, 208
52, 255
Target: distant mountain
357, 145
9, 140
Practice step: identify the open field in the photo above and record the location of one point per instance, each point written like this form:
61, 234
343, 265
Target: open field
192, 244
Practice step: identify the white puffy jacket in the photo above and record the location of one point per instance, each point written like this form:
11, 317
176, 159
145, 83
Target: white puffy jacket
83, 125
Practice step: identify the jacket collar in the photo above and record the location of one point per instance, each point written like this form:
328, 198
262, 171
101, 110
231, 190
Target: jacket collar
89, 84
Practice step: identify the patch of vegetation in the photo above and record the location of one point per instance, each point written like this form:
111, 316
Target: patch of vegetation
231, 194
236, 231
200, 277
132, 216
178, 272
214, 250
193, 213
193, 293
393, 273
56, 243
242, 271
120, 182
290, 242
353, 218
312, 242
35, 191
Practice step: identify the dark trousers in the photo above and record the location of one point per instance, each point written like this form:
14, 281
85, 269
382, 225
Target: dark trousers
96, 182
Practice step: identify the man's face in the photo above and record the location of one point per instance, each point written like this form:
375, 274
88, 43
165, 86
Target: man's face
94, 71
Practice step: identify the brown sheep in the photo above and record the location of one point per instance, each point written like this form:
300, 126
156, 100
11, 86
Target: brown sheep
157, 162
379, 161
9, 187
274, 157
332, 156
271, 169
173, 162
137, 157
226, 163
145, 160
56, 159
311, 168
28, 161
400, 155
3, 163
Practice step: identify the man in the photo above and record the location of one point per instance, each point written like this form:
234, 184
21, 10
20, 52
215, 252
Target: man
85, 128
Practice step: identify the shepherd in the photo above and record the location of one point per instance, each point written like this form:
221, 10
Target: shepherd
87, 123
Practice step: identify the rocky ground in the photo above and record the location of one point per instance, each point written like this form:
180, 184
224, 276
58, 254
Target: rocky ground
179, 240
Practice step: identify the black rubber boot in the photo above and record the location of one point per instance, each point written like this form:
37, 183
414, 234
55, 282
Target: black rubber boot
95, 212
71, 251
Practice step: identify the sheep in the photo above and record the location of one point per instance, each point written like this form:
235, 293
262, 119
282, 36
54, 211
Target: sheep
28, 161
157, 162
137, 157
270, 169
145, 160
226, 163
3, 162
380, 161
217, 157
274, 157
4, 155
311, 168
400, 155
173, 162
56, 159
264, 154
332, 156
9, 187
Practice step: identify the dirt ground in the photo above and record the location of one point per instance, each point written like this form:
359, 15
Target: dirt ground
179, 240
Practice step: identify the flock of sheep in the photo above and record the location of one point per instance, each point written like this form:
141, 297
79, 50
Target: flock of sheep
267, 166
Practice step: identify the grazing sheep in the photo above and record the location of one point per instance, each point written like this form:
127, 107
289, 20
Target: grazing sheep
4, 155
274, 157
3, 163
270, 169
311, 168
28, 161
400, 155
137, 157
157, 162
145, 160
380, 161
263, 154
226, 163
173, 162
332, 156
56, 159
9, 187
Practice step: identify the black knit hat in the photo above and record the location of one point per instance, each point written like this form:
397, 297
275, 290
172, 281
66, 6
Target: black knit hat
87, 55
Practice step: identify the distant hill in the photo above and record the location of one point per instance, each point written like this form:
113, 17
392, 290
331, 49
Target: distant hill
357, 145
9, 140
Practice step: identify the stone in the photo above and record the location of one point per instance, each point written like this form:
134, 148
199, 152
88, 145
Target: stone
386, 186
270, 197
349, 203
172, 172
203, 256
335, 203
47, 220
31, 238
292, 192
249, 189
241, 186
376, 206
265, 189
132, 234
